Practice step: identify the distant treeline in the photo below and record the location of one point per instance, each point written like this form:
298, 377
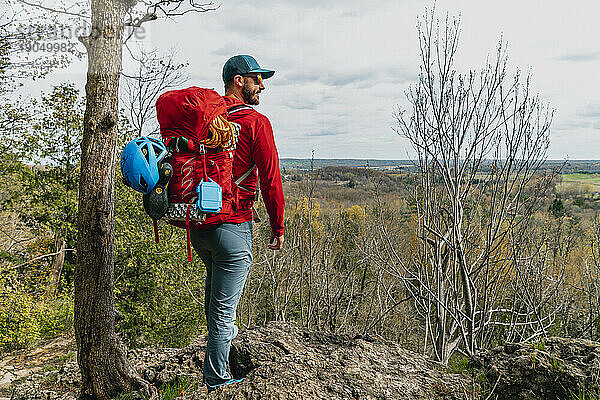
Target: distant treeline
305, 163
572, 166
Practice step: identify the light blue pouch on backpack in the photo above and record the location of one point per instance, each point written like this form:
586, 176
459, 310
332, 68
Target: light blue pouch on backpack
210, 196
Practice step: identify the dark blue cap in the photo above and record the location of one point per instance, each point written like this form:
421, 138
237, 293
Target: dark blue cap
242, 65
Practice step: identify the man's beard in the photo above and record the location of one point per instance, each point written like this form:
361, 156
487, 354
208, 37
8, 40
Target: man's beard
250, 95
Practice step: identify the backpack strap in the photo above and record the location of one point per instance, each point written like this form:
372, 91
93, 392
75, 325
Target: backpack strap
187, 232
238, 107
181, 144
155, 231
203, 157
238, 181
245, 175
231, 110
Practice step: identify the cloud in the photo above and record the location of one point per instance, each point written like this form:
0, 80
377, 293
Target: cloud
320, 75
362, 78
248, 26
343, 66
581, 57
571, 125
225, 51
300, 104
585, 118
348, 6
323, 133
591, 110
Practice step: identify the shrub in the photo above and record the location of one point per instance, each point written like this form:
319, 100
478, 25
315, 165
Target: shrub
19, 326
157, 291
23, 320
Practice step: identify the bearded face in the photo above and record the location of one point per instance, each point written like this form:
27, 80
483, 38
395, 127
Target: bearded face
251, 92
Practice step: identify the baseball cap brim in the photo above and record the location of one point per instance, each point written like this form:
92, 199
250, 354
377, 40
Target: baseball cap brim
265, 73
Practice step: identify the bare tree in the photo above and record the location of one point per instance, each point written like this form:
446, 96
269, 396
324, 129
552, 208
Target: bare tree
480, 140
153, 75
327, 280
582, 314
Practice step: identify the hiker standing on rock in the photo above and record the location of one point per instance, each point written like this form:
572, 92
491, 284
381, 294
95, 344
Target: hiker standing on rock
227, 249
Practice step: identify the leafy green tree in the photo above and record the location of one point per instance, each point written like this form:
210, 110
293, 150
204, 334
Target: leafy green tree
557, 208
13, 122
51, 148
55, 142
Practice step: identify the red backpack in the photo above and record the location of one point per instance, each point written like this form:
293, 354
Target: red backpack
194, 126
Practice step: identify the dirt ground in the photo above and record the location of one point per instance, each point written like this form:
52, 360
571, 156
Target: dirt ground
22, 363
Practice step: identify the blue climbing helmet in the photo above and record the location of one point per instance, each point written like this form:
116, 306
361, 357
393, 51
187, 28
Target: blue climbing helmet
141, 163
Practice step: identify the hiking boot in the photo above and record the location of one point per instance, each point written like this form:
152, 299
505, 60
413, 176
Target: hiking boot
229, 382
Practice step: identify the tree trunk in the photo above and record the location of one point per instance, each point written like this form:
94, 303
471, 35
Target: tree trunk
101, 356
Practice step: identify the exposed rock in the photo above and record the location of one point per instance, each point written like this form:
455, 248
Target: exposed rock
282, 361
554, 369
178, 365
20, 364
160, 365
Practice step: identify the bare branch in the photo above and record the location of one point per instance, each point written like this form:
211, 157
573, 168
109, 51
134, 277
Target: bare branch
38, 258
45, 8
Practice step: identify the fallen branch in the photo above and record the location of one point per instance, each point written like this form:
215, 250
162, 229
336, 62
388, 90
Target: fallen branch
38, 258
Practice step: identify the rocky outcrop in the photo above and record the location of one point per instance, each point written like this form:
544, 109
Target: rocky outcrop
19, 365
551, 369
283, 361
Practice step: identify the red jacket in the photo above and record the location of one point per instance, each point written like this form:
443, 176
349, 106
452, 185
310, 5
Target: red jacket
256, 146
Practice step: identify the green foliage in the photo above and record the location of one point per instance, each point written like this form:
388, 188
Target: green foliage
55, 142
47, 133
24, 319
459, 364
14, 119
585, 394
158, 292
168, 391
539, 345
57, 132
579, 201
18, 325
50, 379
556, 364
557, 208
179, 388
479, 387
55, 316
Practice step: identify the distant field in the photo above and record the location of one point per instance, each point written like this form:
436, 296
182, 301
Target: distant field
593, 179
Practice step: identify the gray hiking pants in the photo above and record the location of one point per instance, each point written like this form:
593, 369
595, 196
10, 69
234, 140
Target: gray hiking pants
227, 254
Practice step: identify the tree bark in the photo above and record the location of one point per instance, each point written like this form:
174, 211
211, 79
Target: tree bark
101, 356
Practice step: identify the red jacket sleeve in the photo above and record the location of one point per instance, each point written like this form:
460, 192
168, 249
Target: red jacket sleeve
267, 161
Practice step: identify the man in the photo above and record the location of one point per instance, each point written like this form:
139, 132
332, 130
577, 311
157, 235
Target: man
227, 249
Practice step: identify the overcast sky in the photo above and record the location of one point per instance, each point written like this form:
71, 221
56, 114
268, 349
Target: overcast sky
343, 66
